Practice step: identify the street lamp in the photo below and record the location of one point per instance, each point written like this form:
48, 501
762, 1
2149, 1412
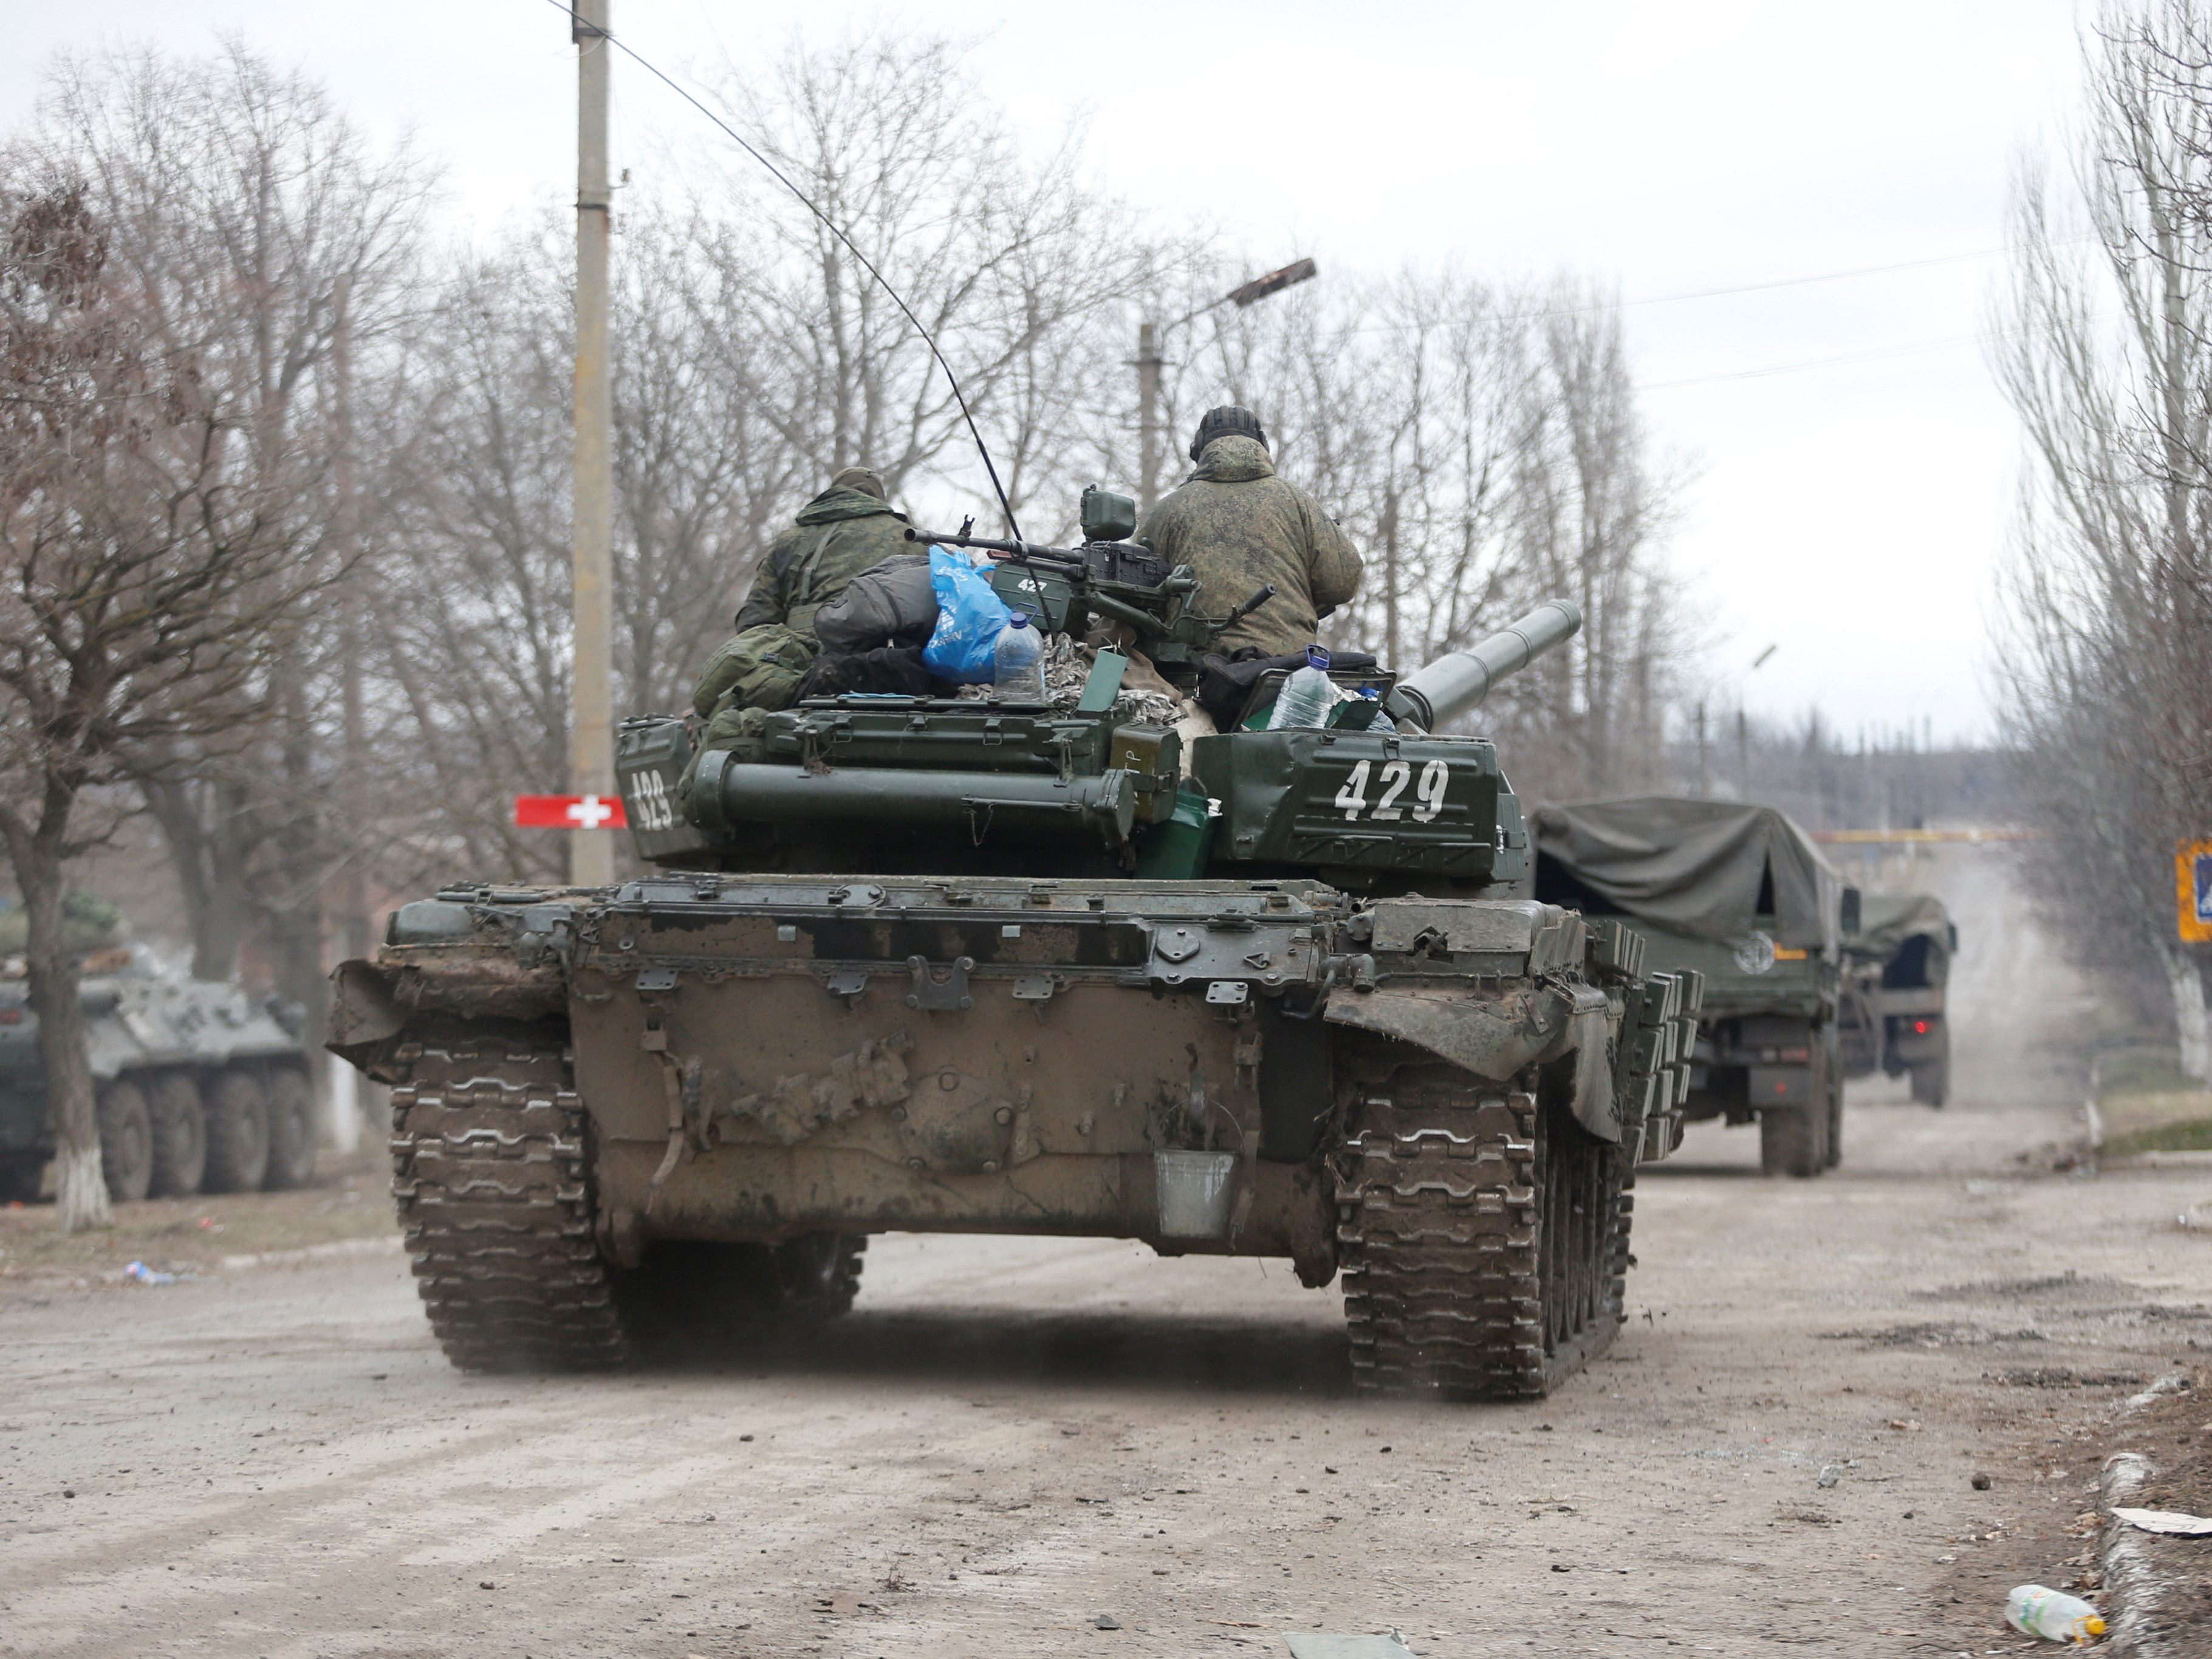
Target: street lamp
1149, 364
1743, 729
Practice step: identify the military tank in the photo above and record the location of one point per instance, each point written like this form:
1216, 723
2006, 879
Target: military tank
1083, 967
199, 1087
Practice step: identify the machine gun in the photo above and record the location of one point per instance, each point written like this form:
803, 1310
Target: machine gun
1108, 578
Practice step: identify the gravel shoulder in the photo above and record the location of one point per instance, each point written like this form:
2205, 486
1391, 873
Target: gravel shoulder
1011, 1440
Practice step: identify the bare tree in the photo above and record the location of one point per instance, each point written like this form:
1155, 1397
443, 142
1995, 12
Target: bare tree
1009, 262
255, 227
2106, 354
148, 581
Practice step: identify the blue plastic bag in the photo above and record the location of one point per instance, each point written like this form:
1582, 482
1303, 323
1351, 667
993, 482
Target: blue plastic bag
969, 617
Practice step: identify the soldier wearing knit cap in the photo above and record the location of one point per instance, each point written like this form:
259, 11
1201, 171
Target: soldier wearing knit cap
1239, 526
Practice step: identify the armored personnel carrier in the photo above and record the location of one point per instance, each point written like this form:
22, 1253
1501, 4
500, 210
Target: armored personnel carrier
1740, 897
1084, 967
199, 1087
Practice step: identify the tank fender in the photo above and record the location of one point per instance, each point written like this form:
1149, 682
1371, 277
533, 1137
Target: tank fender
1493, 1038
364, 1016
1588, 1037
1496, 1038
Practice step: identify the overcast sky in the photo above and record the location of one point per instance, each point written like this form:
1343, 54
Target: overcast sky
1851, 512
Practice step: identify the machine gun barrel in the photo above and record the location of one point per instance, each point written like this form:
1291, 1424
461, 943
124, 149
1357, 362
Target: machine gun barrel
1017, 549
1457, 682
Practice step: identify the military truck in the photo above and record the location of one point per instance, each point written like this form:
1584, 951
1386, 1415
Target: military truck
1740, 896
199, 1087
1896, 973
1083, 967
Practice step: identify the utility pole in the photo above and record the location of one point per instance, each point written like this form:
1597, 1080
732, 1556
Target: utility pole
341, 1082
590, 742
1148, 415
1704, 770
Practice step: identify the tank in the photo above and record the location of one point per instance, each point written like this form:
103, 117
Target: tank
200, 1088
1086, 968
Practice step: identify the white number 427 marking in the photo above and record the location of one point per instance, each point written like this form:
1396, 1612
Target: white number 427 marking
1429, 798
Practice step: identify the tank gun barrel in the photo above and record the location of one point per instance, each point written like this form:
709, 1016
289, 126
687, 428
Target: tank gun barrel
1458, 681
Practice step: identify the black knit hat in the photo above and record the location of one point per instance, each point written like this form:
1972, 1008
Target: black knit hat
1222, 422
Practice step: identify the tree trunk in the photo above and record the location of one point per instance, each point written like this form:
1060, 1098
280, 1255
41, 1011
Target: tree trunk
80, 1186
211, 865
2190, 1024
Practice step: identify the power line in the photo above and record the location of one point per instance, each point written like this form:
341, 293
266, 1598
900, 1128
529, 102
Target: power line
1945, 345
835, 229
1855, 271
1778, 282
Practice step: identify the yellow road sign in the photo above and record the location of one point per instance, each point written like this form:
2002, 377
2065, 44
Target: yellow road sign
2192, 868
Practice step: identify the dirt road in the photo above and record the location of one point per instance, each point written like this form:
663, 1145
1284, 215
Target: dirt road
1010, 1444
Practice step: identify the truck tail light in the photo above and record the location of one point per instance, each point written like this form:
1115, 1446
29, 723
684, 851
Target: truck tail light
1920, 1028
1795, 1056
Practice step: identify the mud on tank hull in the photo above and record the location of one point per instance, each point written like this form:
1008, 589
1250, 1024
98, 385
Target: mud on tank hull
596, 1091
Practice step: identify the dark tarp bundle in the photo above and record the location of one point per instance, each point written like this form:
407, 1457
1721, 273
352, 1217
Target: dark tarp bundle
1888, 920
1697, 867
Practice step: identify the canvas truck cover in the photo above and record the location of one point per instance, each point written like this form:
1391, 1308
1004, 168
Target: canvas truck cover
1697, 867
1887, 920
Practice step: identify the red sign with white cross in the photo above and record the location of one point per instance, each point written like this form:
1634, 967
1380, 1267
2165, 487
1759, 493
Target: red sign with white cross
569, 812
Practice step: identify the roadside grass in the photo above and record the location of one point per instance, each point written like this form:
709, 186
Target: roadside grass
2147, 1103
349, 1201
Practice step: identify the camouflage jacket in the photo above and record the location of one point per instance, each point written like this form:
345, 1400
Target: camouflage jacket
840, 533
1238, 526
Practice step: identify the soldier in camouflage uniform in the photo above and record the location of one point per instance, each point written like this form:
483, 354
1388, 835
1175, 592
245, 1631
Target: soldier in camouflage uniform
848, 528
1238, 526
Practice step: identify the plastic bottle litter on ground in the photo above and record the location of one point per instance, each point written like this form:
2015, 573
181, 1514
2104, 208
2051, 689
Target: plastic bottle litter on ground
2052, 1614
146, 1275
1305, 697
1018, 663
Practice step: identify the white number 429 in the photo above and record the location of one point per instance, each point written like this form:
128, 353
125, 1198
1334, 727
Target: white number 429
655, 809
1429, 798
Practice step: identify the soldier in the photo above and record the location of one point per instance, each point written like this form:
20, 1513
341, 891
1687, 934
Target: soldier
1238, 526
848, 528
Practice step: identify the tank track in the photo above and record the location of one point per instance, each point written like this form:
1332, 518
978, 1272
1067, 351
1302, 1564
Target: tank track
491, 1174
1458, 1280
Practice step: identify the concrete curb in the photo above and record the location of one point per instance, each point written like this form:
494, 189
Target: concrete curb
2132, 1622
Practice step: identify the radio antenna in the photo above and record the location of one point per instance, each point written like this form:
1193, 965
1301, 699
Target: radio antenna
829, 224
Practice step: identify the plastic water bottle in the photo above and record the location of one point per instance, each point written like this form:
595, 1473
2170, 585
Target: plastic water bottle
1017, 664
2052, 1614
1305, 697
